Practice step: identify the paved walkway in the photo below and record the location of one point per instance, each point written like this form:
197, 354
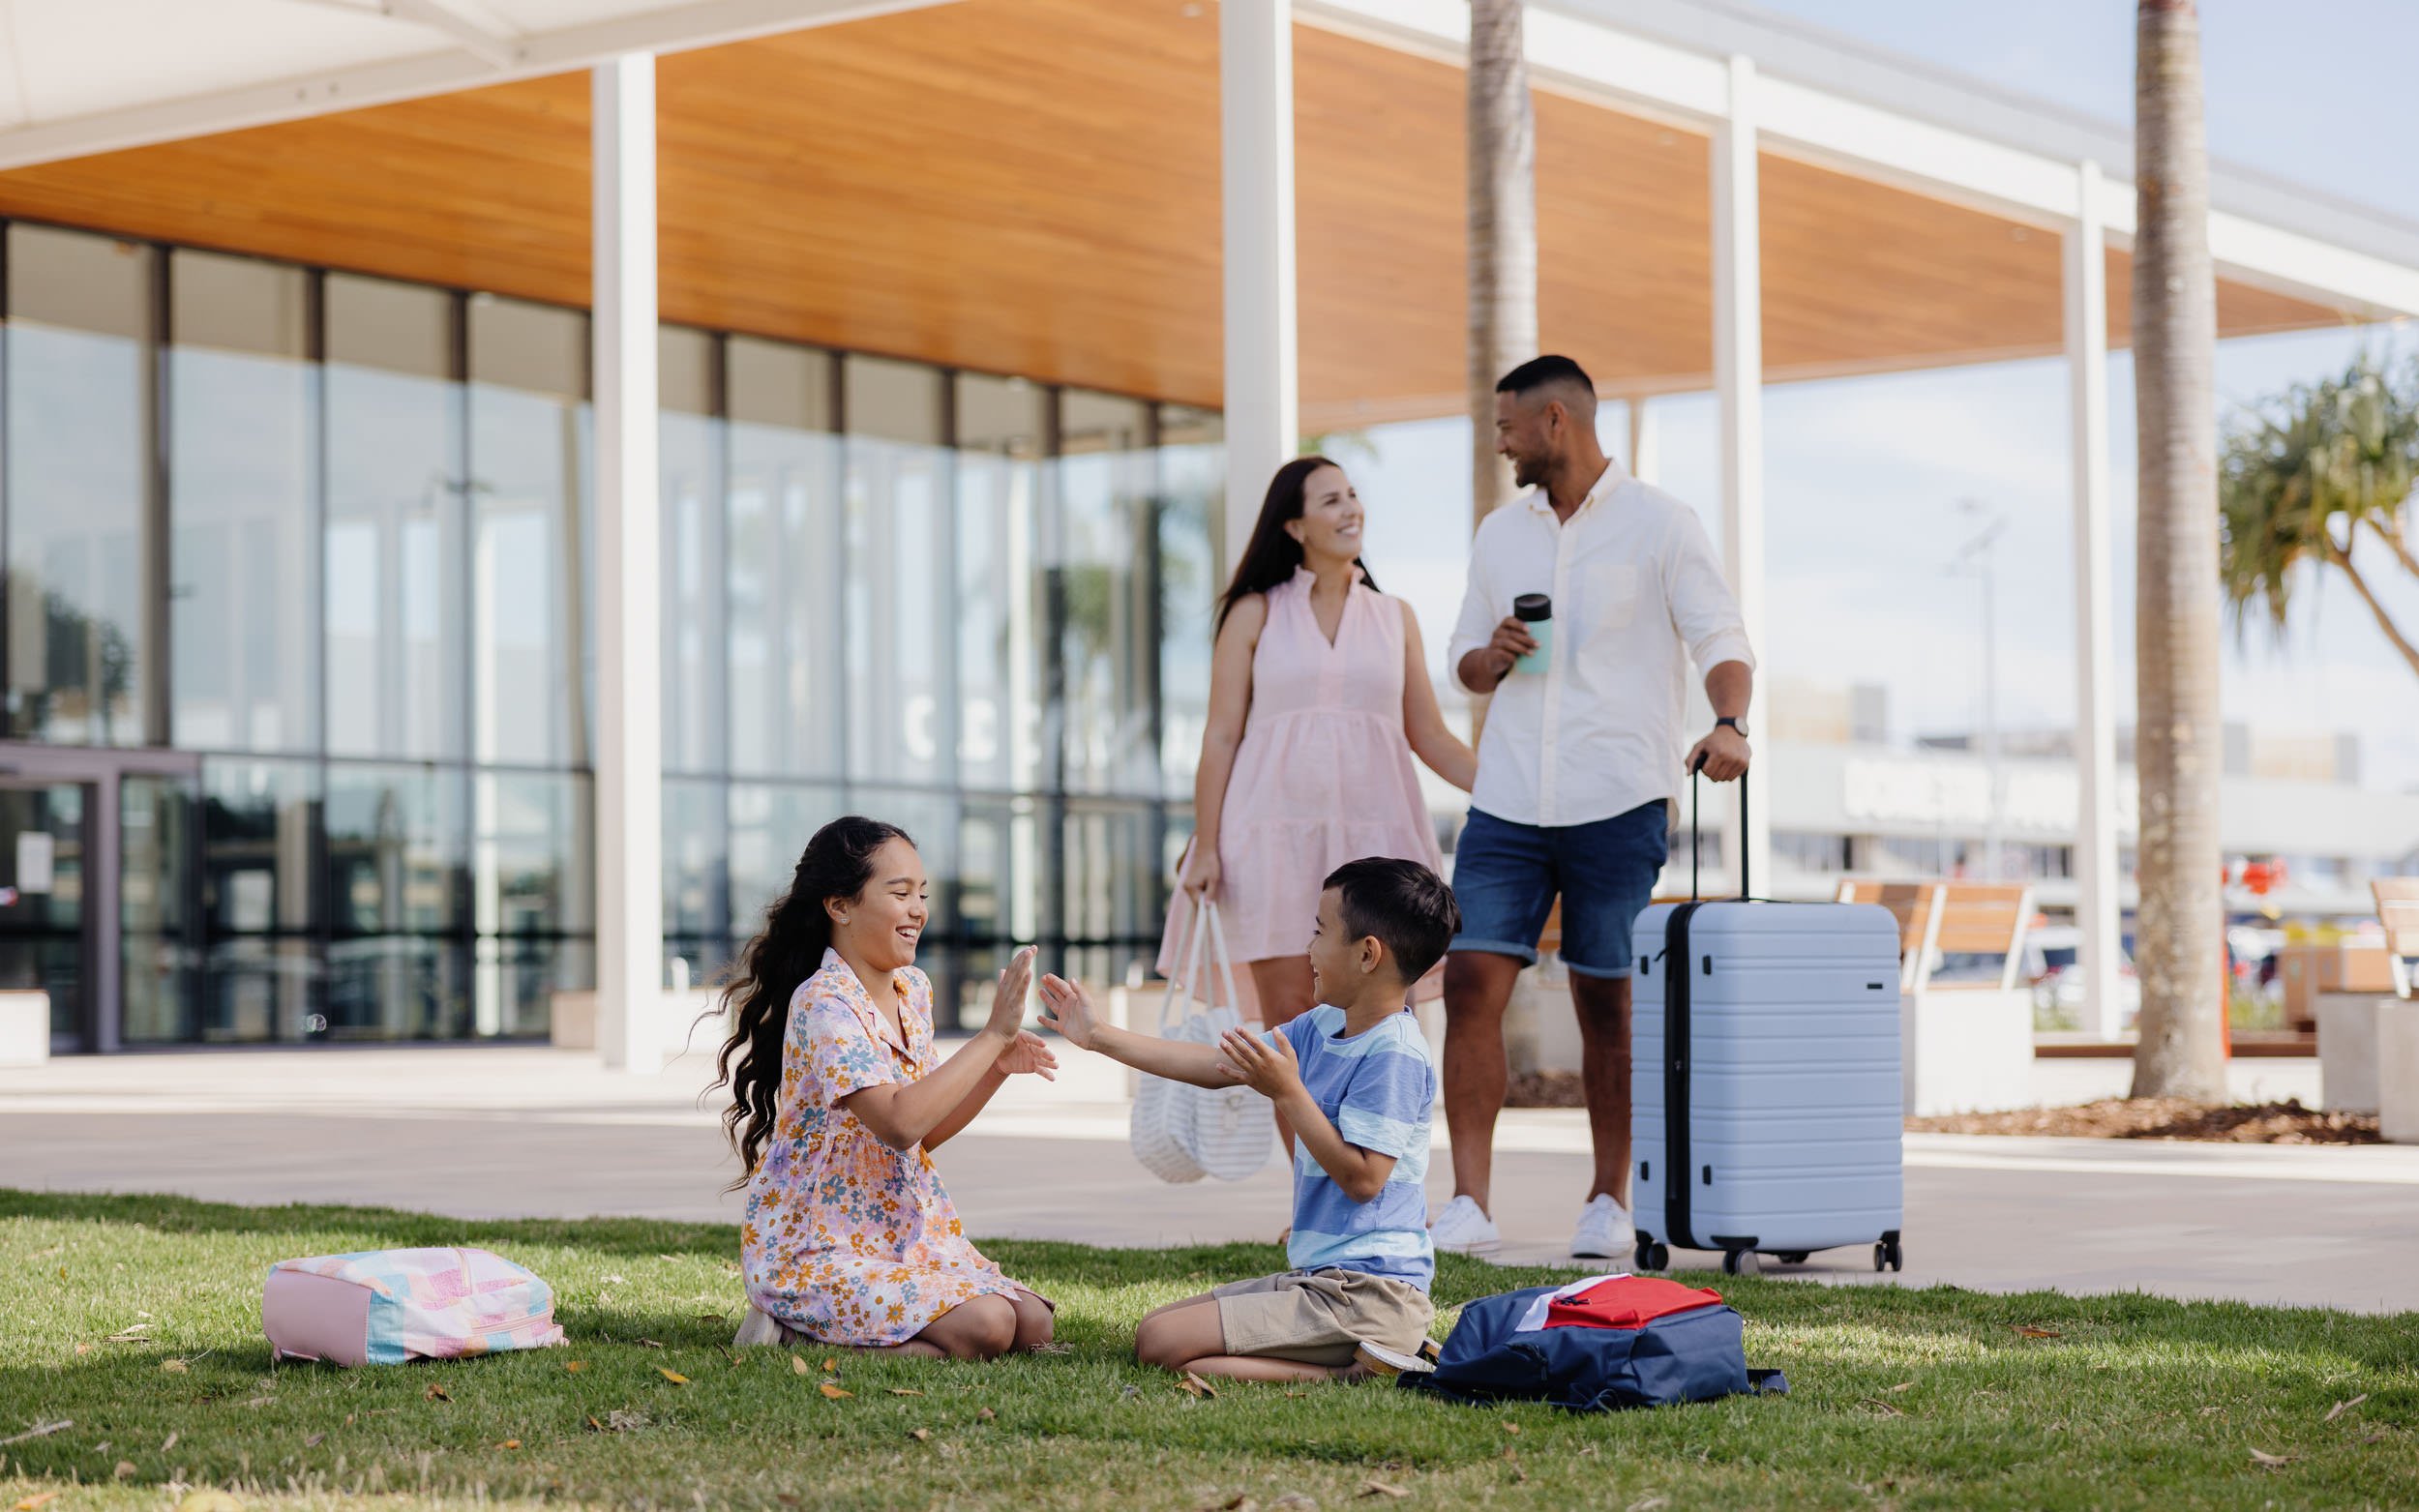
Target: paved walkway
2332, 1226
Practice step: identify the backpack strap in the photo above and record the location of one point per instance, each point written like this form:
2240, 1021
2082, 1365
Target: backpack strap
1768, 1384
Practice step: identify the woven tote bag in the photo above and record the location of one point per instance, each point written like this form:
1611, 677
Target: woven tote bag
1151, 1128
1227, 1131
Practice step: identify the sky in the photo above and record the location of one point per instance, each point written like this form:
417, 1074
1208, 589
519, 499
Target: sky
1865, 475
2312, 91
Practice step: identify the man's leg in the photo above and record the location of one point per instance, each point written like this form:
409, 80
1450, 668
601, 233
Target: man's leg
1609, 870
1477, 989
1503, 883
1603, 1007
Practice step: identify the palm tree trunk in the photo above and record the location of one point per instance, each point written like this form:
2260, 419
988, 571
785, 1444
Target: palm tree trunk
2179, 741
1503, 233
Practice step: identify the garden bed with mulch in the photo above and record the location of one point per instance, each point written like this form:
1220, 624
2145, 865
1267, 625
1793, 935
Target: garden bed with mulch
2170, 1118
2117, 1118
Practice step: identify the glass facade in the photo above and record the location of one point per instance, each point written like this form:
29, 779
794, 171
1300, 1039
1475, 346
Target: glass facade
334, 535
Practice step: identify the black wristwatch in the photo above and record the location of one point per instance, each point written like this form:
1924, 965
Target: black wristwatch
1739, 724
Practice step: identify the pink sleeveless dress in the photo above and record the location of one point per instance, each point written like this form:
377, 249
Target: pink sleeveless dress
1324, 775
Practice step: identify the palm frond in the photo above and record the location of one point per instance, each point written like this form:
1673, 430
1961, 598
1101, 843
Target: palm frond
2301, 471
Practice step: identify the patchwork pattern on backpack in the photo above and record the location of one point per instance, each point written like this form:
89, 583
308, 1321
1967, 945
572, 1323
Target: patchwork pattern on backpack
385, 1307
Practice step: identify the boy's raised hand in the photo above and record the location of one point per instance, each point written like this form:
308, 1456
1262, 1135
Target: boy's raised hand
1067, 1008
1008, 1002
1267, 1066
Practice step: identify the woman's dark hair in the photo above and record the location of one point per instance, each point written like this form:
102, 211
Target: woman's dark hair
837, 863
1272, 556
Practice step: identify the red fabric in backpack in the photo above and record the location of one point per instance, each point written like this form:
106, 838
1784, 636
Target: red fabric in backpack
1626, 1302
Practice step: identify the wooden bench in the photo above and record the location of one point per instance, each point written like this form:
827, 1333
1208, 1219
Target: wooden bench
1938, 919
1966, 1045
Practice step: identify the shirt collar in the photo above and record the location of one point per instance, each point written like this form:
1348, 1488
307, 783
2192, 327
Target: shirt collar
862, 1002
1606, 481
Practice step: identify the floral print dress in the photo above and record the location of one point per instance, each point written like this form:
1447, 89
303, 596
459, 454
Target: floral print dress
848, 1240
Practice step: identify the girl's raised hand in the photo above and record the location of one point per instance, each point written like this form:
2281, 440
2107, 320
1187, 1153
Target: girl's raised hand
1008, 1002
1027, 1052
1067, 1009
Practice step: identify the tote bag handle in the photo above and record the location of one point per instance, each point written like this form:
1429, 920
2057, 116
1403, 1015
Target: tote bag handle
1220, 960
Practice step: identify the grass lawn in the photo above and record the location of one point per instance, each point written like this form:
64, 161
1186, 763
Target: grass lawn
1902, 1399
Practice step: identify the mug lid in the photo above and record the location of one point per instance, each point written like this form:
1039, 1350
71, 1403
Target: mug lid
1532, 606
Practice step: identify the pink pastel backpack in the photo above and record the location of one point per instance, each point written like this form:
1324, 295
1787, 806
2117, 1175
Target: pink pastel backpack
384, 1307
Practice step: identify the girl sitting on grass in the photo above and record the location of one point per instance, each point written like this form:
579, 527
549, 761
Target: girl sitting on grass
838, 1100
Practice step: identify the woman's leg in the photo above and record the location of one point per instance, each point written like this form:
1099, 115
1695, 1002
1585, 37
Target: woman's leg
1188, 1337
1283, 983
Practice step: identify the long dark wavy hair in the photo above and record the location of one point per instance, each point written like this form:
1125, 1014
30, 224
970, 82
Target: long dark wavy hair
1274, 556
837, 863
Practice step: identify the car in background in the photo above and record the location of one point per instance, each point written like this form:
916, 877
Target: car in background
2051, 954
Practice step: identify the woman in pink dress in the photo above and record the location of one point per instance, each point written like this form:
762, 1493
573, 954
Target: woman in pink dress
1319, 698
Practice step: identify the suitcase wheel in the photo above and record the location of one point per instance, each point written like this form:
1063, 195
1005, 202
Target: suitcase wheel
1794, 1256
1740, 1263
1888, 1255
1651, 1255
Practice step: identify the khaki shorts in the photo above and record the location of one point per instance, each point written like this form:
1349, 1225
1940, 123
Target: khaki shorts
1318, 1317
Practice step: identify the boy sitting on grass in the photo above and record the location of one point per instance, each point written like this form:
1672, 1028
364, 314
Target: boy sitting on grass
1352, 1077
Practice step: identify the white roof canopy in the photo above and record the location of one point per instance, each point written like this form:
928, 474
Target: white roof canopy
81, 76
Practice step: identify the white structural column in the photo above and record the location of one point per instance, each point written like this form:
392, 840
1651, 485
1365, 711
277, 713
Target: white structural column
2095, 657
1256, 138
631, 1031
1738, 381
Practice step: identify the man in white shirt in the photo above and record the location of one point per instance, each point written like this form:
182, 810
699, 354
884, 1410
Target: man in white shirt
1578, 766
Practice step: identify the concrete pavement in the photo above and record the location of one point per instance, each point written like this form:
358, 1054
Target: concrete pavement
419, 1128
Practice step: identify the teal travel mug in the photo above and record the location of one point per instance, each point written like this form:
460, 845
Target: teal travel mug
1535, 612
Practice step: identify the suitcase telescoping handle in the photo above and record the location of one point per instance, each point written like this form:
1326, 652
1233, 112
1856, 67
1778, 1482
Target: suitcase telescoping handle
1696, 836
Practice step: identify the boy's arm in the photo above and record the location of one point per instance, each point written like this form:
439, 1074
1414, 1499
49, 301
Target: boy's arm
1067, 1008
1270, 1068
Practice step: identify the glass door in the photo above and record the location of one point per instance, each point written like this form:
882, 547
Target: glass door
158, 908
44, 946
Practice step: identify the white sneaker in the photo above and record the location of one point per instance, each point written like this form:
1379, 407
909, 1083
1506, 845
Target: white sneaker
1605, 1232
1464, 1228
759, 1329
1375, 1362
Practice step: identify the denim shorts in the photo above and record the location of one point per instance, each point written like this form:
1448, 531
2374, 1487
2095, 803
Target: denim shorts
1507, 876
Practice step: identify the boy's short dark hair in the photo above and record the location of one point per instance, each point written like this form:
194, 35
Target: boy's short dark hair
1407, 906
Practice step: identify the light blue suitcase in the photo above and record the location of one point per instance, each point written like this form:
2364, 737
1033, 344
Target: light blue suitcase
1764, 1095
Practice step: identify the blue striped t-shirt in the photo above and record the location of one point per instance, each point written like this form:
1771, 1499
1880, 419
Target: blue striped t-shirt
1377, 1087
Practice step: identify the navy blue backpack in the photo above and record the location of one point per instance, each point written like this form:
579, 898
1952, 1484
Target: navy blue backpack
1693, 1355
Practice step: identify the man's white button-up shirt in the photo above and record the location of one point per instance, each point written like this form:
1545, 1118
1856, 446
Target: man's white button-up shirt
1638, 592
